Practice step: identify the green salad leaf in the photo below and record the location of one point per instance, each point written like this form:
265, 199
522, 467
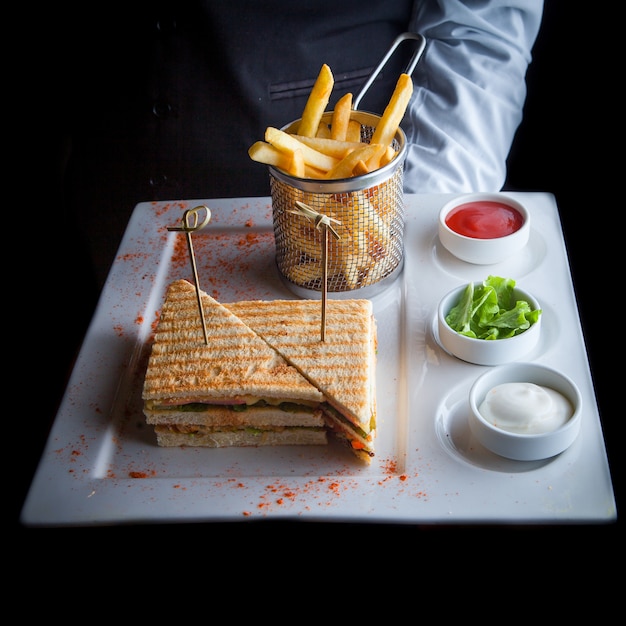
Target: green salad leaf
490, 311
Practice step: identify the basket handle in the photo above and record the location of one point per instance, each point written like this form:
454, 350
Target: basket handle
409, 69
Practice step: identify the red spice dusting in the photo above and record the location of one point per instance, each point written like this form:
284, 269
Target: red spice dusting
76, 452
280, 501
390, 466
180, 256
139, 319
249, 222
135, 474
250, 238
403, 477
119, 330
162, 209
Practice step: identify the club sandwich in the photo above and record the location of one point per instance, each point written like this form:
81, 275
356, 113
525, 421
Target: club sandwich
234, 391
265, 377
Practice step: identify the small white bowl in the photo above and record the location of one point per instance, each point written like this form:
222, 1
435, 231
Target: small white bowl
524, 446
480, 251
486, 351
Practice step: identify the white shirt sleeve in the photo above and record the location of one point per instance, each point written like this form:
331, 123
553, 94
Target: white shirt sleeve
469, 92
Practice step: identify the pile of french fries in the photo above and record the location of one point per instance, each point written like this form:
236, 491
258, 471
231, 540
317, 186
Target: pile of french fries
331, 146
332, 151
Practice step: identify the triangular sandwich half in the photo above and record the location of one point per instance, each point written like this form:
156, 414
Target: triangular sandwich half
235, 391
342, 367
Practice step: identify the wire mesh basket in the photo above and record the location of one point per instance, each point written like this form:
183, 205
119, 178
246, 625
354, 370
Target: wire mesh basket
370, 212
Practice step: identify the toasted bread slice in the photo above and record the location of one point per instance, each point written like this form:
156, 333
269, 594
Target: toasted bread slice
342, 366
236, 367
168, 436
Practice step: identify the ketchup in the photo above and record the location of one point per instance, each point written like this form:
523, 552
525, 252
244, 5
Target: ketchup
484, 219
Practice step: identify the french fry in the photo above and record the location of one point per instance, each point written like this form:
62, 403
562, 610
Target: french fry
376, 271
303, 238
288, 143
347, 253
263, 152
363, 168
346, 258
375, 225
313, 172
388, 155
341, 118
323, 131
360, 168
317, 102
296, 167
394, 111
354, 131
358, 236
331, 147
304, 273
345, 167
377, 197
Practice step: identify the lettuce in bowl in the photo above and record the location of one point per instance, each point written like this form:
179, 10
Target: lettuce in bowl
491, 311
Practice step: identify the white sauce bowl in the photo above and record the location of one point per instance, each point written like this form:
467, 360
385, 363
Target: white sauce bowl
518, 446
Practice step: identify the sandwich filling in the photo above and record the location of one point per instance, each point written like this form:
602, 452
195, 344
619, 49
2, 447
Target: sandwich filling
185, 417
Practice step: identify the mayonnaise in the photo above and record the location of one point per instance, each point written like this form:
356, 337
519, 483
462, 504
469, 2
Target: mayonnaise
525, 408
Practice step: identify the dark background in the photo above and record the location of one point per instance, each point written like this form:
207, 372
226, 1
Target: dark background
564, 146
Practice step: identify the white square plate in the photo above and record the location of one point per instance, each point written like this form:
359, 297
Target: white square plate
101, 464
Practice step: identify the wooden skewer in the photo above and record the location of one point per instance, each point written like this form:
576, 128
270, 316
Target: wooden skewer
189, 224
325, 223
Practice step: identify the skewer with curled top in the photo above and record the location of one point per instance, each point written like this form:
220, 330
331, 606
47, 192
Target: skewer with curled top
325, 223
189, 223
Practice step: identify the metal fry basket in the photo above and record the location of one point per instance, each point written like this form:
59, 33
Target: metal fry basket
369, 254
371, 215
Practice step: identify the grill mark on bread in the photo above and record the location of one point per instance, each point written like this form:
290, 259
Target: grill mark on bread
293, 329
180, 361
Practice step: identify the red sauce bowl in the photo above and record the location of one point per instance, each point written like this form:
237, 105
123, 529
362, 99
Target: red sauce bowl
484, 228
